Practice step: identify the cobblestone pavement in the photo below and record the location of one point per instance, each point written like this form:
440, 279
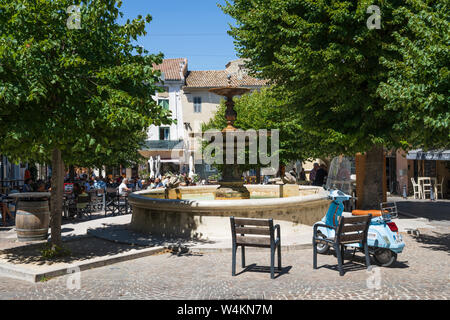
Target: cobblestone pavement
422, 272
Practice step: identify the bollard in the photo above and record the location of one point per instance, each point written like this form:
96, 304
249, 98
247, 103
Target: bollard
432, 195
405, 196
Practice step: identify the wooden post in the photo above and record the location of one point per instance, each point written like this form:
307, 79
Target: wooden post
360, 161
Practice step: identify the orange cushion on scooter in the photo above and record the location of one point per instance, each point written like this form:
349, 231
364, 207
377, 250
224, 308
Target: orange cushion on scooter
375, 213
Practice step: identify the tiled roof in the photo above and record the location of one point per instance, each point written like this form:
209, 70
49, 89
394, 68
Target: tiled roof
171, 68
218, 78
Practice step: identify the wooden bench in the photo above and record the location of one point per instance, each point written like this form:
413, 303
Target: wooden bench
264, 227
349, 230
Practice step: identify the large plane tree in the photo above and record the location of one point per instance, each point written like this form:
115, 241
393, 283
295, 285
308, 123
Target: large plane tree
359, 86
75, 88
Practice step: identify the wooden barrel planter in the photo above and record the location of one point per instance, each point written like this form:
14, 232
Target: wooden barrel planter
32, 219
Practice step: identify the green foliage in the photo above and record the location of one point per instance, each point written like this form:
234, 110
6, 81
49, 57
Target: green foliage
354, 87
83, 91
418, 84
268, 109
51, 251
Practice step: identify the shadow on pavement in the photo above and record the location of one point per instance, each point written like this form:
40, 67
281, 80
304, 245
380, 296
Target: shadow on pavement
80, 249
255, 268
435, 241
432, 210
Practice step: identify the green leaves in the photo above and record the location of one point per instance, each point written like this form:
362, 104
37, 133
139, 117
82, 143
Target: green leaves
83, 91
352, 86
269, 109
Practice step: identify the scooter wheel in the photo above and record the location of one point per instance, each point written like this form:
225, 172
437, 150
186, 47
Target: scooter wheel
322, 248
385, 257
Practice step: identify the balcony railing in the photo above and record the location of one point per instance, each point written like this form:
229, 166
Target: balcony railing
164, 144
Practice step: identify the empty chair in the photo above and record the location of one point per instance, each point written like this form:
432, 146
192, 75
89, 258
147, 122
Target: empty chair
438, 189
426, 187
242, 226
350, 230
417, 189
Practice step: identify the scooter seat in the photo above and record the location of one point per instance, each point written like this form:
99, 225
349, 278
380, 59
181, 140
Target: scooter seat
374, 213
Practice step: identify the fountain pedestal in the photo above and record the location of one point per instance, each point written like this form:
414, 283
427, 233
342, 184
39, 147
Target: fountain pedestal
231, 186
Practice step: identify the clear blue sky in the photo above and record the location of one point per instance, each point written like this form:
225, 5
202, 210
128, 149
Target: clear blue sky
192, 29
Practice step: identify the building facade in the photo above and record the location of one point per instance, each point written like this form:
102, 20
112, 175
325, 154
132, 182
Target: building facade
200, 105
167, 141
186, 95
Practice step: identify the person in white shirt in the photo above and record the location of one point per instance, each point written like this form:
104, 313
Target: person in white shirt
123, 189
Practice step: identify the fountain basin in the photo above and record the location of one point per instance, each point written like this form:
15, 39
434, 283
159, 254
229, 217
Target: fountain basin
209, 219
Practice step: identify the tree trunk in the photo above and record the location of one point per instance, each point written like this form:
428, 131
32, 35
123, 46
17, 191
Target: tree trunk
258, 175
373, 178
281, 170
327, 162
56, 197
71, 173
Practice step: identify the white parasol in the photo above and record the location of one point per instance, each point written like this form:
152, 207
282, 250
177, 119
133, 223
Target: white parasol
151, 163
191, 167
158, 167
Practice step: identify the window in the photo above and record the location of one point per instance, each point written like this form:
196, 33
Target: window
197, 104
164, 103
164, 133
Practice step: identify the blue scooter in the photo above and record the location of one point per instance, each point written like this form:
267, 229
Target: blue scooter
383, 239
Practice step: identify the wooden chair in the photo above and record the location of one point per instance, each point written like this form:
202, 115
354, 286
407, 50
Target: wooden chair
426, 187
417, 189
438, 189
349, 230
242, 226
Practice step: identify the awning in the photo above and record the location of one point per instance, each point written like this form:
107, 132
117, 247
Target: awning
170, 160
442, 155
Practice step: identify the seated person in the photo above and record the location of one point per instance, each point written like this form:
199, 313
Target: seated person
27, 185
99, 183
40, 186
123, 189
76, 189
158, 183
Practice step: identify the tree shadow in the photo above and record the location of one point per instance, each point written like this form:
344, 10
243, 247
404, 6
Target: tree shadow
123, 234
81, 249
432, 210
435, 241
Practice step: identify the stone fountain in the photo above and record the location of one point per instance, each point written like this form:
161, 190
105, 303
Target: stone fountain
202, 212
231, 186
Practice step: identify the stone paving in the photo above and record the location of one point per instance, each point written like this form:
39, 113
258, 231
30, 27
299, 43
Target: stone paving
422, 272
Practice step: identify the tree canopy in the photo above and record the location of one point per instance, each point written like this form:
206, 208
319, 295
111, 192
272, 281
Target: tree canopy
75, 87
355, 86
418, 83
357, 89
269, 109
84, 91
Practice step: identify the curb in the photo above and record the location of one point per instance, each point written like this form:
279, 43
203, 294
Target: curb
10, 271
188, 248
